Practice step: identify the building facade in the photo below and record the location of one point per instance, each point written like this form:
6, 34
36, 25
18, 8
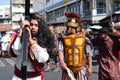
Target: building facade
18, 12
5, 18
91, 11
5, 14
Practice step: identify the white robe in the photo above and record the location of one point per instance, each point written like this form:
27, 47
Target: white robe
5, 42
40, 54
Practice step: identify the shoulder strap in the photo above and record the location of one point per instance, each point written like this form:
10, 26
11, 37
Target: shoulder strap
39, 67
11, 50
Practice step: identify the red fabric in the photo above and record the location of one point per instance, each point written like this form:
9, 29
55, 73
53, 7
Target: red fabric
39, 67
118, 33
74, 15
38, 70
13, 35
108, 58
11, 51
29, 74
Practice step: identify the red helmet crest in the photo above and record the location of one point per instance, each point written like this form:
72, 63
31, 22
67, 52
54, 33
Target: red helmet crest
75, 15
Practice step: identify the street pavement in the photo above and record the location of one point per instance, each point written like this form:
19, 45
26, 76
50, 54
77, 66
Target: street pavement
7, 69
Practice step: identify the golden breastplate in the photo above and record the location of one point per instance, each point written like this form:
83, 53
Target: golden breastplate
74, 46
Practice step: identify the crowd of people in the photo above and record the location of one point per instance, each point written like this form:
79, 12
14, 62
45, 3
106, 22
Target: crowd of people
5, 44
72, 50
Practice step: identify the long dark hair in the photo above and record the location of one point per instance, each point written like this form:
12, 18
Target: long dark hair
44, 36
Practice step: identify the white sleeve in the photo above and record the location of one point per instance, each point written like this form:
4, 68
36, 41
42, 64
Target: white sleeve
2, 39
40, 54
60, 46
17, 46
89, 47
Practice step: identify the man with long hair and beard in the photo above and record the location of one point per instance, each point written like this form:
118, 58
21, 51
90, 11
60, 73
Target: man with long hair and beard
109, 46
75, 50
40, 41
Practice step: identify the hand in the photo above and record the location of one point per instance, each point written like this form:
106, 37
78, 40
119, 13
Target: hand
25, 22
63, 65
87, 31
31, 39
89, 71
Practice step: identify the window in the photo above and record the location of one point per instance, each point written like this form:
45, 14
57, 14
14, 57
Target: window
117, 6
6, 9
87, 6
47, 1
1, 16
101, 5
1, 9
101, 8
17, 6
49, 17
6, 15
1, 21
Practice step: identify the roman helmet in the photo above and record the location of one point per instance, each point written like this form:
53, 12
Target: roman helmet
74, 21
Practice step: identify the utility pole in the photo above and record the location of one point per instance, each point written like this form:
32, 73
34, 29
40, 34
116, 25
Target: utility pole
109, 7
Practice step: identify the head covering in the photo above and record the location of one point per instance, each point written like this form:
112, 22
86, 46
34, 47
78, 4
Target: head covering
74, 19
117, 25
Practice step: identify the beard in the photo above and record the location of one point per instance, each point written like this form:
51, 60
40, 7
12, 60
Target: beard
33, 33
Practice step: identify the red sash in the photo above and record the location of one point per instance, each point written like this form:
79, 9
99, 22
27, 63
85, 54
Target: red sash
39, 70
11, 51
17, 72
39, 67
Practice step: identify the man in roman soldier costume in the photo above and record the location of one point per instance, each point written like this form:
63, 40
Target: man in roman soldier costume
76, 49
40, 41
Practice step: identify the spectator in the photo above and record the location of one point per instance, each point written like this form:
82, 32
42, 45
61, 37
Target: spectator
53, 53
108, 59
5, 44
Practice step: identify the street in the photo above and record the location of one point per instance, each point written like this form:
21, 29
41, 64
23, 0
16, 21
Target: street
7, 69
